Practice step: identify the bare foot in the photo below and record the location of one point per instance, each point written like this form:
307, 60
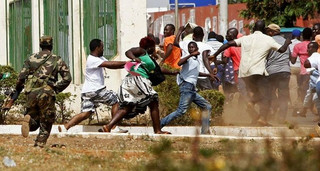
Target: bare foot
105, 128
162, 132
262, 122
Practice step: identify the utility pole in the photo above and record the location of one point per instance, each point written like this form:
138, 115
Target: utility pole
176, 12
223, 17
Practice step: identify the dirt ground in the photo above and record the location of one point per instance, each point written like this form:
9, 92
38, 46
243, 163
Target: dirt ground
75, 153
125, 153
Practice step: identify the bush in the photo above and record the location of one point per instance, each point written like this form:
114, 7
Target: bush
63, 112
169, 95
240, 155
8, 85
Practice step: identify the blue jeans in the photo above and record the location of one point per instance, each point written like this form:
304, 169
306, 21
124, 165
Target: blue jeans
188, 95
318, 94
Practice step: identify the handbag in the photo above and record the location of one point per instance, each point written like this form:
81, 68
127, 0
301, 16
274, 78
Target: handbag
155, 76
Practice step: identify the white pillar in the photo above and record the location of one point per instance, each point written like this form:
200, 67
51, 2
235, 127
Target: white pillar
223, 17
176, 15
75, 45
41, 18
131, 24
35, 9
4, 32
131, 27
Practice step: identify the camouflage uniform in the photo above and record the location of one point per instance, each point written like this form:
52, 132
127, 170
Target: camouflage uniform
41, 84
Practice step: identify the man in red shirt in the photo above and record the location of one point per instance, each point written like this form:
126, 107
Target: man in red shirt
234, 53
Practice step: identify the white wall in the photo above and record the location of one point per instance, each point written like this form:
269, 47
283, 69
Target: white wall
131, 27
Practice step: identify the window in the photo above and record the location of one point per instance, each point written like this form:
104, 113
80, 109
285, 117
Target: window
20, 37
99, 21
56, 24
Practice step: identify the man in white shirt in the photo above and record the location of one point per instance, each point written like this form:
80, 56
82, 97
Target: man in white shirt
254, 50
314, 62
203, 83
94, 91
213, 42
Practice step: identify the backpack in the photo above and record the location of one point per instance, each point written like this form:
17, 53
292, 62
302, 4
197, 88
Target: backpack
155, 76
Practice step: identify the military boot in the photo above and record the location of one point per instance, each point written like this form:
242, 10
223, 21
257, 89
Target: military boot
25, 128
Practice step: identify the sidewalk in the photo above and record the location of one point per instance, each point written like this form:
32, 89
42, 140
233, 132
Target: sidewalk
217, 132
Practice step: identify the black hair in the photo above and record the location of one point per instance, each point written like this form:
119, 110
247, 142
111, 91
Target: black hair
306, 33
212, 35
198, 32
192, 42
94, 43
172, 27
234, 30
259, 26
48, 47
314, 45
220, 38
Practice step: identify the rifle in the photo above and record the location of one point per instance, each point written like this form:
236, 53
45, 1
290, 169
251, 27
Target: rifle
5, 109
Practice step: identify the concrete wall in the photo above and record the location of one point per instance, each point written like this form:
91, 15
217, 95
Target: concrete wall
206, 17
131, 27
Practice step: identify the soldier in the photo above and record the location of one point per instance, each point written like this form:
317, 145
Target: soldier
39, 79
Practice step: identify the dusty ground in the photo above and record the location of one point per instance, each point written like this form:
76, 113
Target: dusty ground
82, 153
75, 153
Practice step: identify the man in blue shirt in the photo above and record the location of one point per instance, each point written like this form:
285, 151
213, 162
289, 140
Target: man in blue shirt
187, 80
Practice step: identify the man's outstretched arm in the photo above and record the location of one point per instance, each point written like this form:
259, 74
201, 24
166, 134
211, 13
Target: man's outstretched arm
113, 64
221, 49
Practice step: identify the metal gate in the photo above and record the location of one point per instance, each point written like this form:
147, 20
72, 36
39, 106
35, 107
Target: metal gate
99, 21
19, 32
55, 14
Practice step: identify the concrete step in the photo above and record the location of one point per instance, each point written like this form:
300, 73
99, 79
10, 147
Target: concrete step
233, 131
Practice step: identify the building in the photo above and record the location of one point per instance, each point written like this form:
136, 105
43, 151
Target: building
191, 3
72, 24
207, 16
157, 6
204, 16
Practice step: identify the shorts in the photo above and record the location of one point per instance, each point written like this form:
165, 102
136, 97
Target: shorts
91, 100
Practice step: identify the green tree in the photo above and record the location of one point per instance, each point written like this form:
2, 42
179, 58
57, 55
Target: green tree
281, 12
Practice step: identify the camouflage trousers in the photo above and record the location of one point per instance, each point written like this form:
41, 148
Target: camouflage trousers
40, 106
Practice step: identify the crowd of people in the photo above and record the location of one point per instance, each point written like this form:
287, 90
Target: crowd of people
258, 66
